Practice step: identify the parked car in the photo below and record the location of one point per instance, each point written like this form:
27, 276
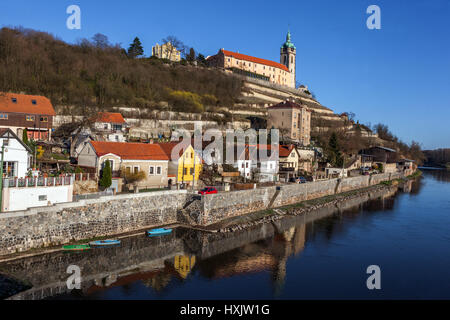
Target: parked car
298, 180
207, 190
302, 179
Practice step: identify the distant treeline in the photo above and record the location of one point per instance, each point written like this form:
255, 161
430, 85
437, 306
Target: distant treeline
98, 74
437, 158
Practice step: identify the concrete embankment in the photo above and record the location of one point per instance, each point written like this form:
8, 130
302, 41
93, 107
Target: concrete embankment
108, 216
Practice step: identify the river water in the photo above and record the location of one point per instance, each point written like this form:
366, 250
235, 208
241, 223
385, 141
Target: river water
322, 255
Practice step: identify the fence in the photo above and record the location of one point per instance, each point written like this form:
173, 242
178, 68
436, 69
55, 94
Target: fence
31, 182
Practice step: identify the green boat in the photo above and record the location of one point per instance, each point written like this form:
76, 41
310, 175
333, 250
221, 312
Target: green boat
77, 247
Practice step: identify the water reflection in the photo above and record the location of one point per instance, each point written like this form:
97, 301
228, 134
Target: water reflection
164, 264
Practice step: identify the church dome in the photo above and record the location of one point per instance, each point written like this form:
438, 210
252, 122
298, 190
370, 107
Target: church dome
288, 43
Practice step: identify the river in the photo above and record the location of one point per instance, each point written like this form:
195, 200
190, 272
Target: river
322, 255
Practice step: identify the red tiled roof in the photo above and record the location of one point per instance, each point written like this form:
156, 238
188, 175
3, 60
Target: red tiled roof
285, 151
110, 117
245, 57
287, 104
167, 147
130, 151
24, 104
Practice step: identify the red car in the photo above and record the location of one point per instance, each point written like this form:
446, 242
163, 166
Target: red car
208, 190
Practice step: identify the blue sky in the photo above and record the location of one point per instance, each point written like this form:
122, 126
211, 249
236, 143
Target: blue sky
399, 75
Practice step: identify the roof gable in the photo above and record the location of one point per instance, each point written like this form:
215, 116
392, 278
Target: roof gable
109, 117
8, 133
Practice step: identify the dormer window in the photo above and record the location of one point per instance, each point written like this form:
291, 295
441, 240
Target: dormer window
14, 100
33, 102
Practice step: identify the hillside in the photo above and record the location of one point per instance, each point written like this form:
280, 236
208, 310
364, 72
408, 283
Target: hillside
90, 76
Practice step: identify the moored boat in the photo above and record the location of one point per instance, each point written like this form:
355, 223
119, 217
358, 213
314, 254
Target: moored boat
77, 247
104, 243
158, 232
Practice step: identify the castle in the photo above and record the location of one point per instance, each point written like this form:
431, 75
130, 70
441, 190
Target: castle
282, 73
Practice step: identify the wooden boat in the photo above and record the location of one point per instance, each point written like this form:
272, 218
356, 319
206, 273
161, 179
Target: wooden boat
77, 247
158, 232
104, 243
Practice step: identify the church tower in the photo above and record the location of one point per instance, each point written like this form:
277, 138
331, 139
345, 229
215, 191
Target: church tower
287, 57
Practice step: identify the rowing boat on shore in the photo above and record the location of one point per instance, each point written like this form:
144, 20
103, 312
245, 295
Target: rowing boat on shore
158, 232
104, 243
77, 247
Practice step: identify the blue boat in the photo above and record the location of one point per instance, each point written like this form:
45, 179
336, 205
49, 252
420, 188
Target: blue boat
158, 232
104, 243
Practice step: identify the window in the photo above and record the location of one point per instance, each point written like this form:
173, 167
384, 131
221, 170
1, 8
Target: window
44, 119
3, 116
14, 100
151, 170
191, 171
158, 170
246, 164
6, 142
105, 126
136, 170
30, 118
10, 169
33, 102
128, 170
43, 198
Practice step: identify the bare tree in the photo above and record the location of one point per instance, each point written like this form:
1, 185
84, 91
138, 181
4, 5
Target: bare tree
176, 44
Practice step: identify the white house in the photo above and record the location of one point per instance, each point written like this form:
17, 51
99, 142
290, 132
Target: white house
112, 125
21, 192
16, 155
250, 162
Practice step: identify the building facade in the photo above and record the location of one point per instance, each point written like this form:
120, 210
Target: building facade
166, 51
16, 155
33, 113
184, 167
126, 159
282, 73
292, 119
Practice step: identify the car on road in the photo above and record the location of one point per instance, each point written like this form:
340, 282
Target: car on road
207, 190
298, 180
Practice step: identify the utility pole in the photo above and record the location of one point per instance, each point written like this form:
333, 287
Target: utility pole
1, 179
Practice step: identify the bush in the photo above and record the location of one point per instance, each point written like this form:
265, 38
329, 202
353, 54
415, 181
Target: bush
134, 177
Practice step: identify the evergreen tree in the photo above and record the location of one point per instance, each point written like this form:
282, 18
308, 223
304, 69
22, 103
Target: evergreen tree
135, 49
106, 179
25, 136
201, 58
334, 152
191, 56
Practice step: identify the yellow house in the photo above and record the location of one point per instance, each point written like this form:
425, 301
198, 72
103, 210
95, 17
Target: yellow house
289, 159
184, 167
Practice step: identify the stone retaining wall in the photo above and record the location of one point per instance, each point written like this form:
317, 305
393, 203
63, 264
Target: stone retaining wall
217, 207
62, 223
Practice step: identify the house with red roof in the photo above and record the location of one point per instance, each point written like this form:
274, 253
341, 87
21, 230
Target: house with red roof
33, 113
127, 159
112, 125
282, 73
